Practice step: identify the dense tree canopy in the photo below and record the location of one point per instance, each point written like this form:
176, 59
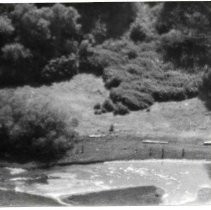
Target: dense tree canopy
186, 32
32, 36
123, 42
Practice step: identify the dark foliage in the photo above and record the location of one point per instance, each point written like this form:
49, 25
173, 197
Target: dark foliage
106, 20
145, 79
205, 88
120, 109
32, 130
185, 29
108, 105
138, 33
32, 37
97, 106
96, 59
15, 66
185, 51
6, 29
60, 69
132, 99
144, 52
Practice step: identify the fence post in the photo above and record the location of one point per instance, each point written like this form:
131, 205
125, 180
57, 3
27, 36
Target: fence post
150, 152
82, 149
183, 153
162, 155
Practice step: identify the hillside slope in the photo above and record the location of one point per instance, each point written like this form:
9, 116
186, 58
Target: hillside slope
188, 119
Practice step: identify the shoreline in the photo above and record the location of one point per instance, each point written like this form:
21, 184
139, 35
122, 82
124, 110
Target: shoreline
130, 196
117, 148
9, 198
89, 150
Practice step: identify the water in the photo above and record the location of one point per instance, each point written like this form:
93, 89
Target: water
183, 181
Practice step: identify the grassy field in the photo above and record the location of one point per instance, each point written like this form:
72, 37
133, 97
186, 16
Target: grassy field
186, 120
185, 125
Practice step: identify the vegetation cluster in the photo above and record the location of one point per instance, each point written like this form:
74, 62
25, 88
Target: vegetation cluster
31, 128
145, 53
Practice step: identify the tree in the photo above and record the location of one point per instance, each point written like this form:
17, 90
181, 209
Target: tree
16, 61
193, 21
40, 35
46, 28
205, 88
32, 129
113, 19
6, 29
60, 69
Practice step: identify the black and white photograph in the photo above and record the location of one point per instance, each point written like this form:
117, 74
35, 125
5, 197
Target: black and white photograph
105, 103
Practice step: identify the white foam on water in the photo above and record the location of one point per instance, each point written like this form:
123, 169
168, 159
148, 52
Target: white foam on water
180, 179
3, 188
180, 161
205, 186
14, 171
184, 172
166, 177
19, 179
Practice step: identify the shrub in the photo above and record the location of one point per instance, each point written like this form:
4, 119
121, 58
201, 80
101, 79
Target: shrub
120, 109
15, 53
108, 105
113, 82
133, 99
32, 130
46, 29
97, 106
138, 33
114, 17
142, 29
113, 76
123, 47
6, 26
74, 122
184, 29
176, 85
97, 59
111, 128
132, 54
6, 29
137, 100
182, 50
16, 60
205, 88
60, 69
145, 79
169, 93
99, 31
98, 112
134, 69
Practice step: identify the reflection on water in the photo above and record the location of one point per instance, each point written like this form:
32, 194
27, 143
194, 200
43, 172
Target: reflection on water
131, 196
183, 181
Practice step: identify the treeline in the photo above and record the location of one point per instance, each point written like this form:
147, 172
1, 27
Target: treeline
41, 44
162, 57
32, 41
145, 52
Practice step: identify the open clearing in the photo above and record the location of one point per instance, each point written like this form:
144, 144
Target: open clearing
185, 120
